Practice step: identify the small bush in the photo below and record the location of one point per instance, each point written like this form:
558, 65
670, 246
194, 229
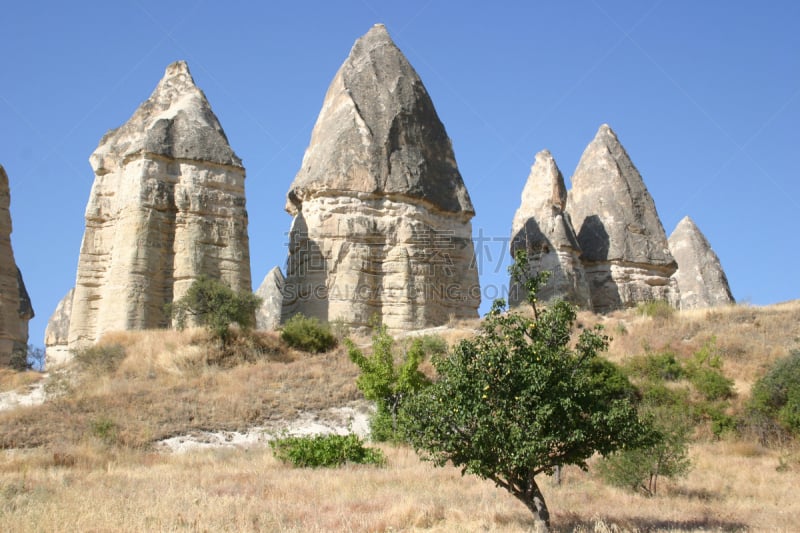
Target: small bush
325, 451
216, 306
100, 358
660, 309
705, 373
308, 334
104, 429
655, 367
711, 384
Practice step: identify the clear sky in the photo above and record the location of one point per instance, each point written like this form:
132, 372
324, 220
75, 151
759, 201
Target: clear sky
705, 96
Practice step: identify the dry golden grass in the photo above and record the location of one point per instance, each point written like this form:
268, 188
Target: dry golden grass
90, 488
85, 461
12, 380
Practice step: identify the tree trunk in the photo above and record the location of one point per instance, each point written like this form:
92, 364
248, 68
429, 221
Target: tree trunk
534, 501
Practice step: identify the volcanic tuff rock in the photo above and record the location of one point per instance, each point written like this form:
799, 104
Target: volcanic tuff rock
15, 304
381, 214
544, 230
700, 277
56, 335
625, 252
268, 316
167, 206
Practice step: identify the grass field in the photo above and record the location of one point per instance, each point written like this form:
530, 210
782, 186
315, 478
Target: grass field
86, 459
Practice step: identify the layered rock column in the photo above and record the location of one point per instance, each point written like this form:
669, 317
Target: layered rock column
381, 223
15, 304
625, 252
545, 232
167, 205
700, 277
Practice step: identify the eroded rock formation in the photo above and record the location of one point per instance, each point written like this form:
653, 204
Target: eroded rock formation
268, 316
15, 304
166, 206
625, 252
700, 277
544, 230
56, 335
381, 215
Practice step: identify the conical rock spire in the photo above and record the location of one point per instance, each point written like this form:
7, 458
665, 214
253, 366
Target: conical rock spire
625, 250
701, 279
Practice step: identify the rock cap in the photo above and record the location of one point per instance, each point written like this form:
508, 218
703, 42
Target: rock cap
612, 210
378, 134
176, 121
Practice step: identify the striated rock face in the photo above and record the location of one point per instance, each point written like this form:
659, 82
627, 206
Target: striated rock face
167, 205
56, 335
625, 252
700, 277
15, 304
381, 214
268, 316
544, 230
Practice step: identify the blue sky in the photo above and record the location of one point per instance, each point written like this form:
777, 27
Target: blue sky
705, 96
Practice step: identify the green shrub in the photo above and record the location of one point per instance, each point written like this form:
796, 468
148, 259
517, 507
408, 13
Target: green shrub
100, 359
655, 366
705, 373
325, 451
308, 334
216, 306
104, 429
774, 405
660, 309
711, 384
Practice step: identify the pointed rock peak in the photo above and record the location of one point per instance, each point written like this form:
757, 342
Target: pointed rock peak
176, 121
544, 194
378, 133
687, 232
606, 137
377, 32
546, 178
611, 208
686, 224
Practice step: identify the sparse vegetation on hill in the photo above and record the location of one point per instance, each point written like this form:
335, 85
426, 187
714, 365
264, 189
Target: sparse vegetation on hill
93, 441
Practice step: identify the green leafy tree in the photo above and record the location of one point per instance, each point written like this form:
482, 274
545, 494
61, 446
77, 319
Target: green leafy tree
520, 400
214, 305
640, 468
774, 406
388, 383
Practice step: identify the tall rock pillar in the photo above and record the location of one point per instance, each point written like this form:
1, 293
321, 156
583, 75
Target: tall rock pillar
15, 304
381, 215
545, 232
167, 205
